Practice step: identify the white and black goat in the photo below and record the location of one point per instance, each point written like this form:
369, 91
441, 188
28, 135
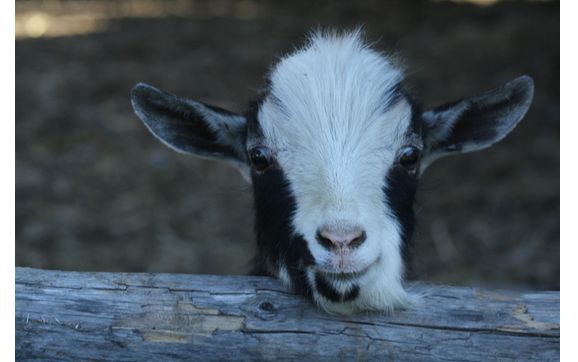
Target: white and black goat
334, 149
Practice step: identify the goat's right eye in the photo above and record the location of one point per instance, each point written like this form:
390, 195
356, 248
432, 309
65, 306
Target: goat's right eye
261, 158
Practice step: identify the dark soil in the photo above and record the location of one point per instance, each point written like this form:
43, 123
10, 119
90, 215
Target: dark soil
95, 191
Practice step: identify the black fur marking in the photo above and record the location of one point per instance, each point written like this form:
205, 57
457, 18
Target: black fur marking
297, 259
325, 288
402, 186
252, 114
277, 243
416, 124
400, 196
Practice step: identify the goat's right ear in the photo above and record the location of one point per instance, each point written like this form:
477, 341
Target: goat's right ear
191, 127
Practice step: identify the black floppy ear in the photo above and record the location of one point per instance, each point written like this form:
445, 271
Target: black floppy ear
190, 127
477, 122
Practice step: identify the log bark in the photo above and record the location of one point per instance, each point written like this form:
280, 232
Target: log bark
79, 316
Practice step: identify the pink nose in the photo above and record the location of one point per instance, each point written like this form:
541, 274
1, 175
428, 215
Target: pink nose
340, 237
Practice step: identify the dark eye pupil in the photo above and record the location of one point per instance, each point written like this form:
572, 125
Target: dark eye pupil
260, 158
409, 157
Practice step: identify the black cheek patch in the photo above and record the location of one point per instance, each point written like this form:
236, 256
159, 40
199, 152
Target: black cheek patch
400, 195
297, 259
274, 208
277, 243
325, 288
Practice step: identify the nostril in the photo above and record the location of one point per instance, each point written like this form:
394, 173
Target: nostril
354, 243
324, 241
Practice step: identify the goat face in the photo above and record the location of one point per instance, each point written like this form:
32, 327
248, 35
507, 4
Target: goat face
334, 149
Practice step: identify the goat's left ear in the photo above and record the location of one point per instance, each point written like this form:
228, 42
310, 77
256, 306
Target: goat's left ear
477, 122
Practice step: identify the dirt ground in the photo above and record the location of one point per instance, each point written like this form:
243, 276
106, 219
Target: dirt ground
95, 191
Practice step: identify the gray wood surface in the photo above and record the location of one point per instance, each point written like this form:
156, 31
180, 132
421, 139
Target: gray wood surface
79, 316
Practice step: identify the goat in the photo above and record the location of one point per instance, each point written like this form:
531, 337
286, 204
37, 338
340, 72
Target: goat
334, 148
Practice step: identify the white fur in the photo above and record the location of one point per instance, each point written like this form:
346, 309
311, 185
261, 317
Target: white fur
283, 276
326, 121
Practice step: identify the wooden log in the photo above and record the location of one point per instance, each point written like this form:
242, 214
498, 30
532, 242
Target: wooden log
78, 316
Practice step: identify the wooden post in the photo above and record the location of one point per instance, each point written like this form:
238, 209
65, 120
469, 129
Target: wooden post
78, 316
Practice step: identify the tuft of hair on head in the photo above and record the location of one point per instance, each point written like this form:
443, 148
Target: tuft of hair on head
355, 39
321, 36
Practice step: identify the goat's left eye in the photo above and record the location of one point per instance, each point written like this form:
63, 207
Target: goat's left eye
261, 158
409, 157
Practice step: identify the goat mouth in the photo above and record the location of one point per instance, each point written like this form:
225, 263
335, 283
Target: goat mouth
349, 275
344, 276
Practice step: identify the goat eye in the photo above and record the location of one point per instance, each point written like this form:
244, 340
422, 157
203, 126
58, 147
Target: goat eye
409, 157
261, 158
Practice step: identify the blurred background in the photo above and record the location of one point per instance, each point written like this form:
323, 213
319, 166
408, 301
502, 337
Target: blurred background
95, 191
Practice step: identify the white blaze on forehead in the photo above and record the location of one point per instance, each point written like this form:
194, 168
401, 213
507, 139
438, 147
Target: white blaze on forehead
332, 86
327, 117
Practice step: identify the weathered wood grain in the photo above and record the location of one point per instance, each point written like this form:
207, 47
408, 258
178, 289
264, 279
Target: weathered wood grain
78, 316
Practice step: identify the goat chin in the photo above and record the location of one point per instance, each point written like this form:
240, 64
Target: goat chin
377, 293
371, 299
